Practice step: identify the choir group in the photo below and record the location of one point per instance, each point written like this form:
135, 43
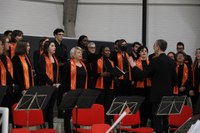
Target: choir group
150, 76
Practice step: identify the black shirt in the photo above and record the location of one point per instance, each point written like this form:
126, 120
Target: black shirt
80, 77
197, 76
61, 52
107, 68
125, 67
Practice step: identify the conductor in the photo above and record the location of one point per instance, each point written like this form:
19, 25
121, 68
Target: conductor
162, 72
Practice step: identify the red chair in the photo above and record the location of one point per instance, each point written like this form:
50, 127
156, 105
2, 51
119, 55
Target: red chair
100, 128
20, 130
176, 121
133, 120
28, 118
88, 117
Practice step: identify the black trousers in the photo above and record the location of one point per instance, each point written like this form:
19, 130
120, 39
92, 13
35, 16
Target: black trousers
105, 98
160, 123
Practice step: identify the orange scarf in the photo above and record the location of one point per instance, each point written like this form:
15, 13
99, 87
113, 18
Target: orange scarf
193, 75
49, 68
184, 78
27, 83
3, 70
140, 84
3, 74
99, 83
73, 74
12, 49
120, 64
9, 66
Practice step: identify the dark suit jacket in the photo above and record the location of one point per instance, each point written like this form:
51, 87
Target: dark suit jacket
163, 74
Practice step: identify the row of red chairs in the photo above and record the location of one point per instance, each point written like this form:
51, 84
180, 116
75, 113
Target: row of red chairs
94, 119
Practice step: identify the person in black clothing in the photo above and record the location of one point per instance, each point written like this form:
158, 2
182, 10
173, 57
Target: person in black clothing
49, 69
76, 77
184, 76
135, 47
142, 87
62, 56
120, 59
180, 48
104, 80
22, 68
6, 76
162, 72
83, 43
195, 93
36, 57
90, 60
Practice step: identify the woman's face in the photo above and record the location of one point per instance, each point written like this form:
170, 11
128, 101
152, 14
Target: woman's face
84, 42
180, 58
7, 44
52, 48
197, 54
106, 52
78, 54
143, 53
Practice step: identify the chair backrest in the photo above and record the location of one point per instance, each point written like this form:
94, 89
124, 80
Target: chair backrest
20, 130
90, 116
179, 119
100, 128
27, 117
130, 120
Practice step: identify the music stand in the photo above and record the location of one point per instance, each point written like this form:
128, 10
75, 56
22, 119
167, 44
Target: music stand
121, 104
171, 105
36, 98
2, 92
79, 98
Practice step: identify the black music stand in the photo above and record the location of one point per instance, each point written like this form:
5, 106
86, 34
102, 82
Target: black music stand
79, 98
120, 104
171, 105
3, 90
36, 98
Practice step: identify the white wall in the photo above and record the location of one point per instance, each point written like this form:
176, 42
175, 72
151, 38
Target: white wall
108, 20
33, 18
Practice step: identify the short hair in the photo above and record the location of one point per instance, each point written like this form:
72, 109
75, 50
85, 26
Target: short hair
120, 42
73, 51
102, 48
136, 43
46, 46
162, 44
140, 49
180, 44
56, 31
80, 39
16, 33
116, 42
6, 33
91, 43
171, 53
21, 47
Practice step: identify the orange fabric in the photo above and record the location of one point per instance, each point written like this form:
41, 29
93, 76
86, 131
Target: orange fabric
9, 66
27, 83
73, 74
3, 73
12, 49
184, 78
49, 68
99, 83
120, 64
140, 84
